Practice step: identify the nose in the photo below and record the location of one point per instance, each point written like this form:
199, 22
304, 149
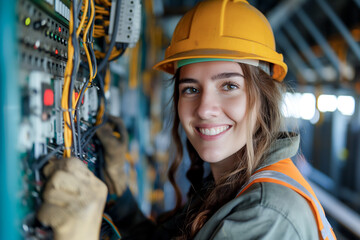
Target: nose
208, 105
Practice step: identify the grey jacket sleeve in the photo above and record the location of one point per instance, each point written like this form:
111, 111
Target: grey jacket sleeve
245, 225
265, 211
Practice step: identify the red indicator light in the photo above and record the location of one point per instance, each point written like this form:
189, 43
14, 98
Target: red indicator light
48, 97
59, 29
76, 96
37, 44
56, 52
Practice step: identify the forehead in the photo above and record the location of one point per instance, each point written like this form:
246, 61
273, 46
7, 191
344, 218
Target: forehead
209, 69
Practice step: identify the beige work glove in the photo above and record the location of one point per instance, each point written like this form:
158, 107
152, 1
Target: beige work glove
114, 138
74, 200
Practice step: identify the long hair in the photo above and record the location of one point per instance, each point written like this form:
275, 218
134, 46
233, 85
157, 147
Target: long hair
263, 106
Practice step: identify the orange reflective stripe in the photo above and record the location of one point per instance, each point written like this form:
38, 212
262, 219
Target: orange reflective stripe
285, 173
287, 167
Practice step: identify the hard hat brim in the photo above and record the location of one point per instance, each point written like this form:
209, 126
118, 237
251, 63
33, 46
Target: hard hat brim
168, 65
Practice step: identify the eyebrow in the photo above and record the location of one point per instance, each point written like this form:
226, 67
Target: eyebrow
223, 75
226, 75
188, 80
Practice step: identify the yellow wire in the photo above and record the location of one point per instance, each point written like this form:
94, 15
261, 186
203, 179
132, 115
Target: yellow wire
104, 12
82, 18
99, 31
65, 94
99, 7
91, 75
67, 79
107, 80
104, 2
114, 53
101, 113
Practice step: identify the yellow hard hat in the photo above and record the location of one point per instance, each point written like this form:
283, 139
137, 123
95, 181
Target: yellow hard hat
223, 29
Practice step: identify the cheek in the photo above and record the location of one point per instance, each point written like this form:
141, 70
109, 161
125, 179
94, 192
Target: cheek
235, 108
184, 111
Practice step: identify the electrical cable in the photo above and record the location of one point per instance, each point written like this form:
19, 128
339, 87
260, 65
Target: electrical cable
92, 48
90, 10
73, 138
70, 73
107, 219
65, 94
80, 153
101, 110
101, 160
86, 40
76, 61
91, 39
82, 21
123, 48
113, 37
88, 47
90, 133
39, 164
104, 84
79, 8
68, 101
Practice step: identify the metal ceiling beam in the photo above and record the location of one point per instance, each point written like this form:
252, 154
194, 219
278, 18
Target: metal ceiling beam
294, 57
340, 26
284, 10
304, 48
319, 38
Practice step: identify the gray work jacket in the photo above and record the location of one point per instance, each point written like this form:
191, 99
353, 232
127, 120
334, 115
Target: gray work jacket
263, 211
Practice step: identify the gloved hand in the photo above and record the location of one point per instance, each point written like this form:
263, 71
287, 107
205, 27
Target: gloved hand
74, 200
114, 138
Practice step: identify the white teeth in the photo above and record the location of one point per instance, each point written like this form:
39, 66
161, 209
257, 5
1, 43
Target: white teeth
213, 131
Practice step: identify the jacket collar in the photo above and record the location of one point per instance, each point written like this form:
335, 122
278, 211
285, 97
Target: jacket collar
286, 146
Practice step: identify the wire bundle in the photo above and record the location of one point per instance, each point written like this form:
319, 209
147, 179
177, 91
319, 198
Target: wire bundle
70, 104
94, 23
102, 18
101, 29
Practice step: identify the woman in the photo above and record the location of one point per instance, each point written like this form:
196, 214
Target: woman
227, 99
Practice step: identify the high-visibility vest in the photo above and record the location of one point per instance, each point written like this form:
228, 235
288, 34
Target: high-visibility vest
286, 173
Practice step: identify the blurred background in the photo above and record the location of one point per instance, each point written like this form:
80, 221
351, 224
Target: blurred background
320, 41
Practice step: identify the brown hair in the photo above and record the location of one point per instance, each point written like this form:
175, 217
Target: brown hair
263, 96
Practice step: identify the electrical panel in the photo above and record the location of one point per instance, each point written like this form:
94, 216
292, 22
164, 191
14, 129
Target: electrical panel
43, 33
63, 50
129, 23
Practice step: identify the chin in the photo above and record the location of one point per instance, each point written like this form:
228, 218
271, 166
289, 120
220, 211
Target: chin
211, 157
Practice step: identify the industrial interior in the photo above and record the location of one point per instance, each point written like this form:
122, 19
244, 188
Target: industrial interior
41, 65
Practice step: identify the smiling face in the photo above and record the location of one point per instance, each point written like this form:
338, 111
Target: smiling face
212, 108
